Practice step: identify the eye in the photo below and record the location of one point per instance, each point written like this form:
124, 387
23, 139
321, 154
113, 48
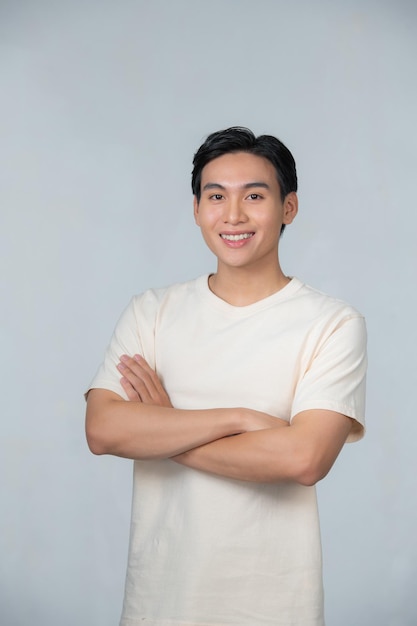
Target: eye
255, 196
216, 196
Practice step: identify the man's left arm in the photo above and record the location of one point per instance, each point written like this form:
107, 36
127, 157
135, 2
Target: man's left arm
304, 452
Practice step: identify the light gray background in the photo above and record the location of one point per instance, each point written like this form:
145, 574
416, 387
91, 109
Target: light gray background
102, 106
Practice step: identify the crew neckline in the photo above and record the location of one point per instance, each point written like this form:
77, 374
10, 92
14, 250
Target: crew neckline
279, 296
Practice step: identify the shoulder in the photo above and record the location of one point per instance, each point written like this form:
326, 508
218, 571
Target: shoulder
152, 300
319, 304
325, 317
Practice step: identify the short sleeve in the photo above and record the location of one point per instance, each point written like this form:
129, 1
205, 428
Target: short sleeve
336, 377
134, 334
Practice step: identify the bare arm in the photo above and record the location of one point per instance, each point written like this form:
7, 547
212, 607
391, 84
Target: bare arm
149, 427
304, 452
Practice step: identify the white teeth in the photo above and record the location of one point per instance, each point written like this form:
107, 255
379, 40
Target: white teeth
236, 237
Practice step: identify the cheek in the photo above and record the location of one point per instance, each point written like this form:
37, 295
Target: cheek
271, 223
207, 219
210, 240
205, 226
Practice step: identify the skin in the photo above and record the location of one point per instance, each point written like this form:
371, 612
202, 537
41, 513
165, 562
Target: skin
240, 195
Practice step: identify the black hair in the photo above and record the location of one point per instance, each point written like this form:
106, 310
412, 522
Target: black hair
240, 139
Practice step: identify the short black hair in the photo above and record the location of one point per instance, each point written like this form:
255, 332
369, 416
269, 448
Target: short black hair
240, 139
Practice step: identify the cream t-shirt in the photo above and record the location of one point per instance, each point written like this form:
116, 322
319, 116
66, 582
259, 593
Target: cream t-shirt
207, 550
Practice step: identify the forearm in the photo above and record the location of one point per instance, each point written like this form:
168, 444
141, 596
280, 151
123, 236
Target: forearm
139, 431
261, 456
303, 452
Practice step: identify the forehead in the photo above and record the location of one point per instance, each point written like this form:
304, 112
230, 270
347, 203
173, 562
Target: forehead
238, 168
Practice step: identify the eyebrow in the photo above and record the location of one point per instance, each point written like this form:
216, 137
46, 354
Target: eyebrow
245, 186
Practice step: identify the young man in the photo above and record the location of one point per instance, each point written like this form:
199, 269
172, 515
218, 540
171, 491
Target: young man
234, 393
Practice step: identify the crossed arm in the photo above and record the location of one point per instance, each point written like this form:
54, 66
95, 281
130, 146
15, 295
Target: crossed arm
263, 448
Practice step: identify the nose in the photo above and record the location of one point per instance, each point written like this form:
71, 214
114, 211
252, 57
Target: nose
234, 212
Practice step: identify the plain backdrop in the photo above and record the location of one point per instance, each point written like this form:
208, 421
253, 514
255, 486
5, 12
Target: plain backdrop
102, 106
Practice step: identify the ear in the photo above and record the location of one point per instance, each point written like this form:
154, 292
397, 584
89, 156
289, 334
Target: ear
290, 207
196, 214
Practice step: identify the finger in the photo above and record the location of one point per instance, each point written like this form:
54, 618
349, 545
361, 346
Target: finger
153, 382
144, 380
134, 379
129, 390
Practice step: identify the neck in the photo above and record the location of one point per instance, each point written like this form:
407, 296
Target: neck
240, 287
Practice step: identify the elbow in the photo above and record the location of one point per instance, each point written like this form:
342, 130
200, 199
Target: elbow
95, 446
310, 477
95, 433
310, 471
100, 423
95, 441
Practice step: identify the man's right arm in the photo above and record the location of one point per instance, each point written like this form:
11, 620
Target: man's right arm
136, 430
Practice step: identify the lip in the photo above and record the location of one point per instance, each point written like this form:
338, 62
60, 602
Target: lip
237, 243
236, 232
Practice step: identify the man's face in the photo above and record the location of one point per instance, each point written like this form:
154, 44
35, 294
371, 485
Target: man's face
240, 211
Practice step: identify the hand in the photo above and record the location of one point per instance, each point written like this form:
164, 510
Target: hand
140, 381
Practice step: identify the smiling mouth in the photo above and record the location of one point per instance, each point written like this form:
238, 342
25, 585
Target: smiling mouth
237, 237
